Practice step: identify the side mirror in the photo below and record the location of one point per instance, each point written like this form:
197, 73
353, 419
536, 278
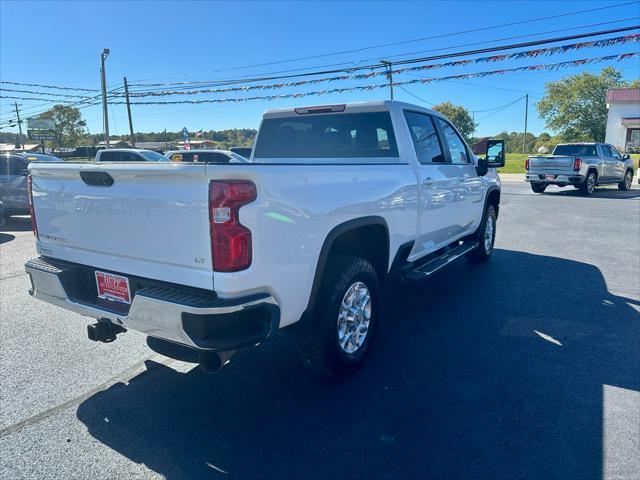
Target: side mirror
626, 156
495, 153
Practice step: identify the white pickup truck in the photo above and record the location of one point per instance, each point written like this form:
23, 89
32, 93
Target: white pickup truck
214, 257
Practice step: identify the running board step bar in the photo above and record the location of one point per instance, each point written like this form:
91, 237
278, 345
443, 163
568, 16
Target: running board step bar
432, 266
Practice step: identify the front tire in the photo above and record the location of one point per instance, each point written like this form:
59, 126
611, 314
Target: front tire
589, 185
341, 329
625, 184
486, 236
538, 187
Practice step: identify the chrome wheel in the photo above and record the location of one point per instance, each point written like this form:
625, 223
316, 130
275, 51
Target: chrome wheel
354, 317
488, 233
591, 183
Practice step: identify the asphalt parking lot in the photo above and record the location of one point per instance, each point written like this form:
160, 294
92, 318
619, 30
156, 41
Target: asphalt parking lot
526, 367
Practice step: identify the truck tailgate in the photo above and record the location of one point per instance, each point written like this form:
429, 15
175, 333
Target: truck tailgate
152, 221
551, 163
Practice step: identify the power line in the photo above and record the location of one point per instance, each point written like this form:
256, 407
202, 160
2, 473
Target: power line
499, 109
432, 37
92, 101
43, 93
58, 87
416, 97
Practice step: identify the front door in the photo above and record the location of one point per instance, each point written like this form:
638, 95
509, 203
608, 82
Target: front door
618, 167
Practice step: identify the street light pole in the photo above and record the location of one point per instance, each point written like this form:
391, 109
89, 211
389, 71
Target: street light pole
105, 116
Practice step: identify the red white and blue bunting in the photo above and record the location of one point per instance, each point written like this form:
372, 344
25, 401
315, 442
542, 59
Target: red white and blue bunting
540, 52
464, 76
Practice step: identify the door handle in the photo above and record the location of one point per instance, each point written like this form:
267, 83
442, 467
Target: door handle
427, 181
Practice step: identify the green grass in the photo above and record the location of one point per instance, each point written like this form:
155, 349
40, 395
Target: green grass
515, 162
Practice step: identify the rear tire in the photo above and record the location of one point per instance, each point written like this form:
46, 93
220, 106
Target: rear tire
486, 236
625, 184
538, 187
589, 185
341, 329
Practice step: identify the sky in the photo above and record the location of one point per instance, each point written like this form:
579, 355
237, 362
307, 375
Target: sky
59, 43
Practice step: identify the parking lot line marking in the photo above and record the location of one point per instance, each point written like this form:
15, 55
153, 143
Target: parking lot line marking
125, 376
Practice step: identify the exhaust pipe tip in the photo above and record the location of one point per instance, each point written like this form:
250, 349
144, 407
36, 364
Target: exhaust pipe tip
212, 362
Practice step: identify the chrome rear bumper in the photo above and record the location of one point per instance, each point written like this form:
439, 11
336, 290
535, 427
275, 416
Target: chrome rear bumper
187, 316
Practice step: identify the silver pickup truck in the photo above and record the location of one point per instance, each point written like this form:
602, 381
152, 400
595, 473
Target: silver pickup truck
583, 165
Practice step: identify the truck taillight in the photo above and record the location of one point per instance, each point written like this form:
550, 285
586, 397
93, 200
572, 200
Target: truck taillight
577, 163
230, 240
32, 211
526, 164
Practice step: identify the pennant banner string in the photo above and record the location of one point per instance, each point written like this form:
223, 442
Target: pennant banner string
457, 63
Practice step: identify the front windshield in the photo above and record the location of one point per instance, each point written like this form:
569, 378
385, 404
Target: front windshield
153, 156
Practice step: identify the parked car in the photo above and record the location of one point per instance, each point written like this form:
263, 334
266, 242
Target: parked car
583, 165
242, 151
337, 199
13, 180
205, 156
128, 155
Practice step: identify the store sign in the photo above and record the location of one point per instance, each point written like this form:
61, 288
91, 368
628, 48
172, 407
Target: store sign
41, 135
41, 124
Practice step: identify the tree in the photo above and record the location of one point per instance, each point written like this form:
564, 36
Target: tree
69, 125
459, 116
575, 106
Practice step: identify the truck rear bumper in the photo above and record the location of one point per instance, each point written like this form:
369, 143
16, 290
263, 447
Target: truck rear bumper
185, 315
560, 179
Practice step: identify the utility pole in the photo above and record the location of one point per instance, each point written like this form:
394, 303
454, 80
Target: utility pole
19, 125
387, 66
473, 122
105, 117
126, 94
526, 117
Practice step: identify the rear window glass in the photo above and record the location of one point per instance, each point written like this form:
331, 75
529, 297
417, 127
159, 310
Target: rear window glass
576, 150
336, 136
206, 157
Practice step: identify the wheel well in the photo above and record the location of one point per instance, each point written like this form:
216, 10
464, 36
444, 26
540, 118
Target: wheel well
494, 199
594, 170
368, 241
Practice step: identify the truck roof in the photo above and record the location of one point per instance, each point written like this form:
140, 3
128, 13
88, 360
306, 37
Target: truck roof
353, 107
581, 143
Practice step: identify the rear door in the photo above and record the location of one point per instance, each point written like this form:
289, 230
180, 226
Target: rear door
470, 188
438, 185
608, 163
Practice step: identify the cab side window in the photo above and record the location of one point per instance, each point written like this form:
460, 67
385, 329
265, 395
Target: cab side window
17, 165
109, 156
614, 152
131, 157
456, 145
425, 138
